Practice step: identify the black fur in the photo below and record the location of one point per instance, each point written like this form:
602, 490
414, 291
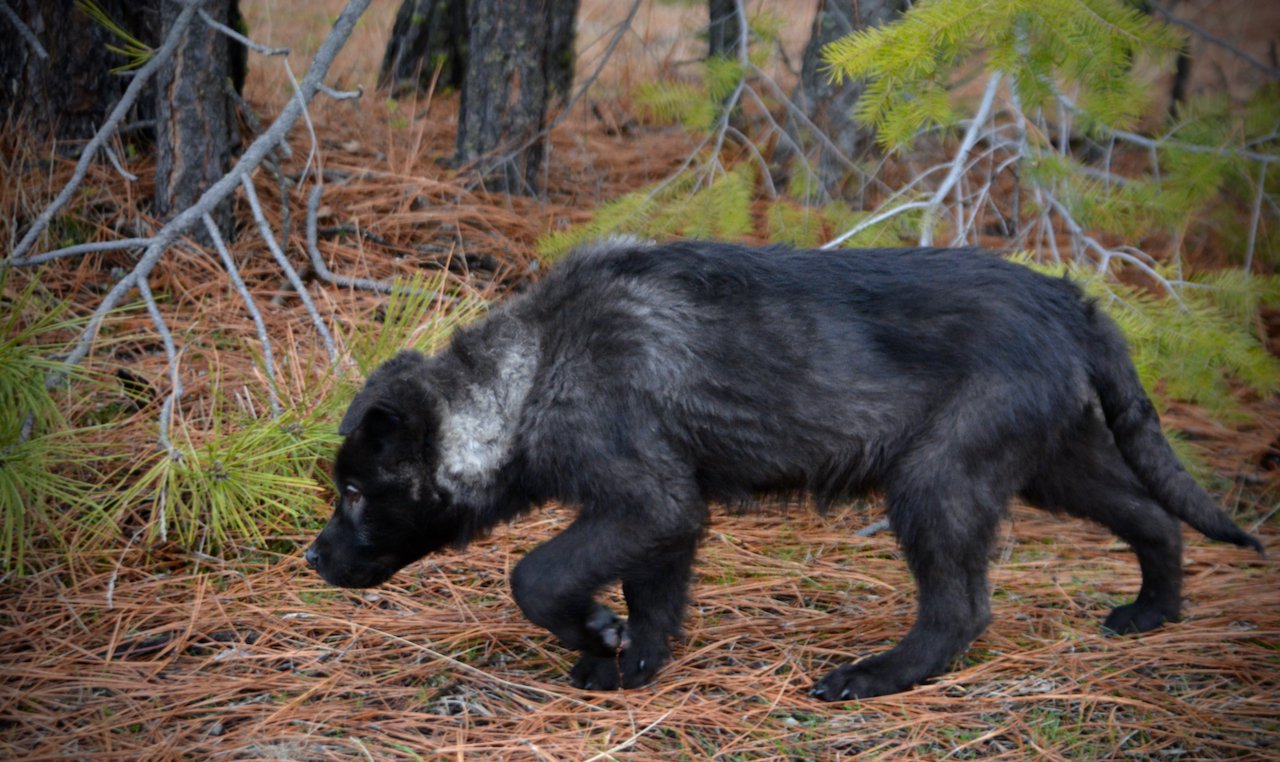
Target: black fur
640, 382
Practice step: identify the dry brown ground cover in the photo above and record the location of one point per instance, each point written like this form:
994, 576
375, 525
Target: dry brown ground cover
152, 652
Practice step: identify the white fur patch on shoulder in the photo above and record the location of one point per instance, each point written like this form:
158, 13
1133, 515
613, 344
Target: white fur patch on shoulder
479, 427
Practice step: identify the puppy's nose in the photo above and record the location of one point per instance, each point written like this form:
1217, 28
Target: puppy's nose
313, 558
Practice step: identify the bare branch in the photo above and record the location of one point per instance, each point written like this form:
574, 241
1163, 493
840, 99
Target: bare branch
250, 159
265, 230
873, 220
81, 248
24, 31
317, 261
1255, 216
268, 357
1106, 254
175, 379
240, 38
1153, 143
786, 139
306, 116
759, 159
115, 162
798, 114
1265, 68
342, 95
958, 164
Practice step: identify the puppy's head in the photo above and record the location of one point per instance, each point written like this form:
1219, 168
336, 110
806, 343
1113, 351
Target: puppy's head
389, 512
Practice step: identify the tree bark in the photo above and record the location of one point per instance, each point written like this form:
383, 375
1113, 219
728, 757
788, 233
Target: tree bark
724, 30
195, 116
69, 95
829, 106
427, 35
509, 59
561, 53
507, 88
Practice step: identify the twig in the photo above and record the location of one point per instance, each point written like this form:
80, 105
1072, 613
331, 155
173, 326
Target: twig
342, 95
873, 220
627, 744
240, 38
82, 248
1153, 144
1270, 71
1107, 254
788, 142
171, 352
24, 31
1255, 217
99, 138
306, 117
264, 229
283, 148
755, 154
958, 164
798, 114
322, 270
875, 527
115, 162
268, 357
138, 126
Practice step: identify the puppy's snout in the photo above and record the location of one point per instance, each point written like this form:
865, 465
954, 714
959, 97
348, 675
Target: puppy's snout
312, 557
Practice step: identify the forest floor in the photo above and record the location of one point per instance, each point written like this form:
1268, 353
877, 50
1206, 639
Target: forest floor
153, 652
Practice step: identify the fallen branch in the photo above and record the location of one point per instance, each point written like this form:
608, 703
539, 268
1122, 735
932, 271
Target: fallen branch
184, 221
100, 138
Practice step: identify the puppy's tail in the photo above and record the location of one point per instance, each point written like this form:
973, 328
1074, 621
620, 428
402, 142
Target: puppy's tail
1136, 428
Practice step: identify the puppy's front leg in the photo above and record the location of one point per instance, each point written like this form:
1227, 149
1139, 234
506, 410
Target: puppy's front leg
556, 583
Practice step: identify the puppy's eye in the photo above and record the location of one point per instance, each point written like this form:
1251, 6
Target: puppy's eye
353, 497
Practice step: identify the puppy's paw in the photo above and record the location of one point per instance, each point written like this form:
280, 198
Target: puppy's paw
596, 673
1133, 618
858, 681
629, 669
610, 628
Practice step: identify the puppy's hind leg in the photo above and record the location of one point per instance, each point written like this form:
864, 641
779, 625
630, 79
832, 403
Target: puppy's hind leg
1090, 479
946, 526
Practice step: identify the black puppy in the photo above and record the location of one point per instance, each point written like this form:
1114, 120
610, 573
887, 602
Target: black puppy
641, 381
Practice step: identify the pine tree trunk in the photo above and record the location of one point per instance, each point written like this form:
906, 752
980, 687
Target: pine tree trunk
195, 116
829, 105
724, 40
69, 95
561, 54
427, 35
724, 30
506, 89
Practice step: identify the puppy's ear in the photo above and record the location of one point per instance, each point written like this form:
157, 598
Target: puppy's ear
370, 411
